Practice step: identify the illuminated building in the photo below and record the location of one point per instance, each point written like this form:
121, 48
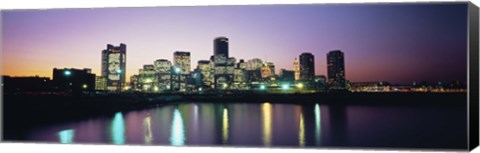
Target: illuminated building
254, 64
307, 67
73, 80
370, 87
147, 79
239, 78
181, 60
336, 69
254, 76
135, 83
220, 46
100, 83
271, 66
205, 68
162, 69
223, 64
266, 71
242, 65
296, 69
114, 66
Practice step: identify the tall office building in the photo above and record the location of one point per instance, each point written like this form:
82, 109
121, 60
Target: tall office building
296, 69
163, 72
220, 46
205, 68
254, 64
147, 78
181, 59
336, 69
114, 66
307, 67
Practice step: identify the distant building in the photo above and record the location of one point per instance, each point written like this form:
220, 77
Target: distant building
100, 83
266, 71
26, 84
148, 79
254, 64
163, 71
370, 87
336, 69
287, 75
114, 66
205, 68
242, 65
296, 69
254, 76
182, 60
220, 46
135, 83
320, 83
73, 80
307, 67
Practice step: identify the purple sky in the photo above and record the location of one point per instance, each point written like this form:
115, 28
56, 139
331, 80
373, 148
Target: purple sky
382, 42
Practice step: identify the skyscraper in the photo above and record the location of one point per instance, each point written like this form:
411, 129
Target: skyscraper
307, 67
181, 59
336, 69
296, 69
114, 66
220, 46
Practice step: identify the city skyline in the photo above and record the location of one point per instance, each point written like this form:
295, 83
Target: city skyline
365, 60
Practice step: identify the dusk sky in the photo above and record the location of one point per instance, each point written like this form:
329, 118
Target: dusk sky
399, 43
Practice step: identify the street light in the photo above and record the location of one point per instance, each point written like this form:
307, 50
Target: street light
300, 85
262, 87
285, 86
177, 70
67, 72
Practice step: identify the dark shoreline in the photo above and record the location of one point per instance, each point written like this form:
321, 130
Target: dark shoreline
23, 112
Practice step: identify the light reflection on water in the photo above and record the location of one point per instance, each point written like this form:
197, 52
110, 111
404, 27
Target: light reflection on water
118, 129
225, 126
177, 137
301, 132
317, 124
148, 130
66, 136
265, 124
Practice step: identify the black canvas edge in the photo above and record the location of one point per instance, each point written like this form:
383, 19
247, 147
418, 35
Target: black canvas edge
473, 85
1, 78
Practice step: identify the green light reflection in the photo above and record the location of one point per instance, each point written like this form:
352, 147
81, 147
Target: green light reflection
118, 129
66, 136
177, 131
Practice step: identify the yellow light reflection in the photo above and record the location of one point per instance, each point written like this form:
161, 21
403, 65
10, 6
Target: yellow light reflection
317, 123
148, 130
225, 125
267, 123
301, 132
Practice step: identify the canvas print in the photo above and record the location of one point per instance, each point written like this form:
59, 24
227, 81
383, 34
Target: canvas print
287, 76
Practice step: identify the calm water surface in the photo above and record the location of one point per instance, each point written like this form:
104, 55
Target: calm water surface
267, 124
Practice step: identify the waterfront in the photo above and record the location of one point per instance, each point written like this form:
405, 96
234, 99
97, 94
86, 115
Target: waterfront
268, 124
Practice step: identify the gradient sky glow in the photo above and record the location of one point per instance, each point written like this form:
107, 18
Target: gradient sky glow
399, 43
